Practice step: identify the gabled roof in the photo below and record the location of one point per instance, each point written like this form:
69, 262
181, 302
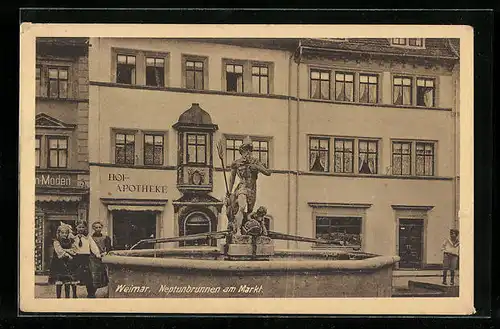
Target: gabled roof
43, 120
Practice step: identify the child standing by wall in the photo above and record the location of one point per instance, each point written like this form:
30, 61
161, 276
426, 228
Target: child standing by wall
103, 242
62, 270
450, 249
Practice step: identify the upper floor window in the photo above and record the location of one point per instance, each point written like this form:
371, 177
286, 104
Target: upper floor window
344, 86
260, 149
58, 152
196, 148
155, 71
344, 154
260, 79
153, 149
367, 156
408, 42
401, 158
319, 154
320, 84
424, 159
124, 148
402, 90
416, 42
37, 151
58, 83
195, 72
368, 88
425, 92
234, 77
38, 77
125, 69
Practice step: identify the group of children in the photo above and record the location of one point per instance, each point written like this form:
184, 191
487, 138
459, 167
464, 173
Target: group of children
77, 259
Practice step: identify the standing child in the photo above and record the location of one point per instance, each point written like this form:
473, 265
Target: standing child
103, 242
85, 247
62, 265
450, 249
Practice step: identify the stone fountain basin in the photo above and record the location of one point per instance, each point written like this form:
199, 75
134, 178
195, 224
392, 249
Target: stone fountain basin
202, 272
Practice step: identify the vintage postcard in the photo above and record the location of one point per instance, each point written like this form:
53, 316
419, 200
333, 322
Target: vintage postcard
292, 169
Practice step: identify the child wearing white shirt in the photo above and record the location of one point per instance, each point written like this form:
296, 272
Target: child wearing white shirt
450, 248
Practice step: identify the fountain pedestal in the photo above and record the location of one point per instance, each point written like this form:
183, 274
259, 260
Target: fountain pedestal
248, 246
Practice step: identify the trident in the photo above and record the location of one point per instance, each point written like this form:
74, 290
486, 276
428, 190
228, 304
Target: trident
220, 151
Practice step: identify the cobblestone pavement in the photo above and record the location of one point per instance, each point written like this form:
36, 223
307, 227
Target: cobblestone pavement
49, 291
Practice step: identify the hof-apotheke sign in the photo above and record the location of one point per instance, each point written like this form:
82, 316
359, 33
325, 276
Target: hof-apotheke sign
133, 183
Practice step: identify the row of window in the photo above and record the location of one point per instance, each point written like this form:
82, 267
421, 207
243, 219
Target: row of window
51, 82
361, 156
55, 151
236, 73
368, 85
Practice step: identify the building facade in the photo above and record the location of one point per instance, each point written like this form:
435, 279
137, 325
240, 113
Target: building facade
61, 148
359, 135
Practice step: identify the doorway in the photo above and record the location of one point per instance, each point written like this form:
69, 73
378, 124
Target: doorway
411, 238
129, 227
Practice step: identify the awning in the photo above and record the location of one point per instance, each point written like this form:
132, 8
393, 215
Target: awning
115, 207
58, 198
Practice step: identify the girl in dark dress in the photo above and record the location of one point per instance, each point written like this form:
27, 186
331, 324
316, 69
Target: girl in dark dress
85, 248
62, 269
98, 268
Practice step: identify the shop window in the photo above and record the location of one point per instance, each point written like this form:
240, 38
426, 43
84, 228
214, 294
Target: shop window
344, 87
196, 148
58, 83
124, 148
129, 227
346, 230
125, 69
424, 159
58, 152
401, 158
234, 78
155, 72
260, 79
344, 155
320, 84
153, 149
319, 154
425, 92
368, 88
402, 90
195, 74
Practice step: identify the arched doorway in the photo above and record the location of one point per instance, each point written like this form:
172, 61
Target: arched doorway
196, 222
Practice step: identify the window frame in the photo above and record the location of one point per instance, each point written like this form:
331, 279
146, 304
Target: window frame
344, 152
434, 88
260, 139
124, 132
196, 145
406, 43
58, 81
328, 152
38, 80
195, 58
260, 75
155, 57
234, 64
39, 149
413, 154
127, 54
320, 70
163, 140
358, 154
432, 156
344, 82
66, 151
368, 84
402, 85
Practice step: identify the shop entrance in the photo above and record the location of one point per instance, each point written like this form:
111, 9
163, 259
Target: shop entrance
50, 230
131, 226
411, 238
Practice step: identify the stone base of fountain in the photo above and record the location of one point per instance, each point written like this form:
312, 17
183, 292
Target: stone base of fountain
248, 246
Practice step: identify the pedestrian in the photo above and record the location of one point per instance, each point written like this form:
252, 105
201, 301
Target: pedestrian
62, 264
85, 248
451, 253
98, 269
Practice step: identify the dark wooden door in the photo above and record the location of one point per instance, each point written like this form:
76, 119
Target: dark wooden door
411, 237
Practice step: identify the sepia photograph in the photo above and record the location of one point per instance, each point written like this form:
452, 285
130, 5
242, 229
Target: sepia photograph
246, 168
